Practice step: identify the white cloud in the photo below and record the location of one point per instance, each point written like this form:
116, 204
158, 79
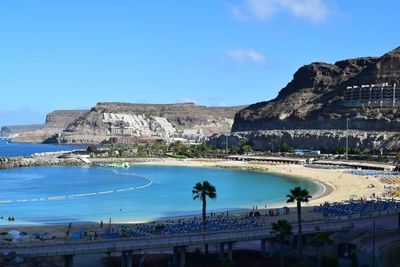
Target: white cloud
312, 10
242, 55
238, 13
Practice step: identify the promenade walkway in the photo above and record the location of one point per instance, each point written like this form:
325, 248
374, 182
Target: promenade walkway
179, 243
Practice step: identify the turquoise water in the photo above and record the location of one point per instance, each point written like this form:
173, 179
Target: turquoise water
8, 149
41, 195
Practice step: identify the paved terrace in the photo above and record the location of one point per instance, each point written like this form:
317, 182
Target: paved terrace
286, 160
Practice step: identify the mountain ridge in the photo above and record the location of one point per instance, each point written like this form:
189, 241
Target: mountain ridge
312, 99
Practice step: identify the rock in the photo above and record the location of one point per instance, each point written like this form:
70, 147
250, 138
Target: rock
313, 99
325, 140
60, 119
56, 122
144, 120
10, 130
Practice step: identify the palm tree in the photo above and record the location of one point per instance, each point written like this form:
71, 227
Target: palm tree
299, 195
202, 191
283, 229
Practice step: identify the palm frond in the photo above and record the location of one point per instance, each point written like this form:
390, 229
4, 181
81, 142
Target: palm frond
204, 190
298, 194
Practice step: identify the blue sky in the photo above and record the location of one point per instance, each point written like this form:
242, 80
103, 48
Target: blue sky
72, 54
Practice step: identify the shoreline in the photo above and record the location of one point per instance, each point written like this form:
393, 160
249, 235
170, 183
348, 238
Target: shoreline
336, 185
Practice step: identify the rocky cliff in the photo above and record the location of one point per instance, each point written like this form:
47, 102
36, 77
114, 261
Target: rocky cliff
314, 98
11, 130
325, 140
144, 120
60, 119
56, 122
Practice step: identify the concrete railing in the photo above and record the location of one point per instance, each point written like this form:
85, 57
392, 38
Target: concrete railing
157, 242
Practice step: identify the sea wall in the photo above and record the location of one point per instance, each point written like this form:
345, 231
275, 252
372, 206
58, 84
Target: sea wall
60, 159
18, 162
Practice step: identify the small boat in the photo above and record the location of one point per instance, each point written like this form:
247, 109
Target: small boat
116, 165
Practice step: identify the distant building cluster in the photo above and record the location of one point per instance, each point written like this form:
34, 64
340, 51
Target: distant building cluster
306, 152
121, 128
134, 129
133, 140
189, 136
372, 95
120, 124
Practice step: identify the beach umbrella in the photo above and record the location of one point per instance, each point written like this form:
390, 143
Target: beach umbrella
13, 232
12, 235
76, 235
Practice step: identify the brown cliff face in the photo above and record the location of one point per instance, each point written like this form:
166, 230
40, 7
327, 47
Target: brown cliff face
91, 127
9, 130
328, 141
56, 122
60, 119
312, 100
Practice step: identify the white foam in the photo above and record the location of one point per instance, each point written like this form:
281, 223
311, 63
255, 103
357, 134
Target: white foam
56, 198
105, 192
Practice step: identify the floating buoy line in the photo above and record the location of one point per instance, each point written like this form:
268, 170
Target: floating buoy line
81, 195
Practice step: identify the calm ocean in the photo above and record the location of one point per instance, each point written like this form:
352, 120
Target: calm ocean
9, 149
40, 195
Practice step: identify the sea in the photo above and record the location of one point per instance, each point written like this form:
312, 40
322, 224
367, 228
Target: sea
10, 149
54, 195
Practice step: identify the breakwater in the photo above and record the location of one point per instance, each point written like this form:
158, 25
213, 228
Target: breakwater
17, 162
63, 159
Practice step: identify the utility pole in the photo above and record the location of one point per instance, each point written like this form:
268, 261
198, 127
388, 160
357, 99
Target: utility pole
347, 138
226, 144
272, 145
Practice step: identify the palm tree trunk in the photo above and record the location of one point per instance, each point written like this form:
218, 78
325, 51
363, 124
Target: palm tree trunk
204, 214
299, 239
281, 260
204, 221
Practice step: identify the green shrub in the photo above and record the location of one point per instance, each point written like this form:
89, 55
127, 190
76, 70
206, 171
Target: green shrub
329, 261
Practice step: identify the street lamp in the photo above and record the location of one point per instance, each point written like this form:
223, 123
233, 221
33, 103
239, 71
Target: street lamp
347, 138
226, 144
